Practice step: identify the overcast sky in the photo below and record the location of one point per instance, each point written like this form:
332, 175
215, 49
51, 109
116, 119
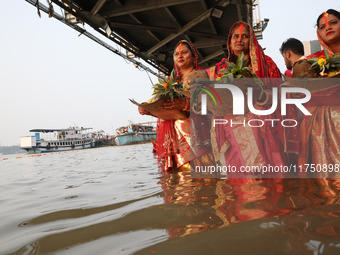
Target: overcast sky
52, 78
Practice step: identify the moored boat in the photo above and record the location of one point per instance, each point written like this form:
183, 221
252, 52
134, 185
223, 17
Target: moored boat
53, 140
135, 133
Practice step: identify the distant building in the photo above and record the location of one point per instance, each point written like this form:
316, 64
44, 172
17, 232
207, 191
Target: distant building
311, 47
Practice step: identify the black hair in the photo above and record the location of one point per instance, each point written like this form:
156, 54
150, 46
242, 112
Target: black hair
294, 45
329, 11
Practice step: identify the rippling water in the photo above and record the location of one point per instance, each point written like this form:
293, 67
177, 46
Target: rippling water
115, 201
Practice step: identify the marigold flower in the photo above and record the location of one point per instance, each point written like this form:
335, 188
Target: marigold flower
322, 61
166, 85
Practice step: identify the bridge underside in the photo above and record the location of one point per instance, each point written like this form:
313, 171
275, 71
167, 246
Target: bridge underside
150, 29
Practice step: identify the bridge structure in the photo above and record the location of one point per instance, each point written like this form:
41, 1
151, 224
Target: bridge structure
148, 30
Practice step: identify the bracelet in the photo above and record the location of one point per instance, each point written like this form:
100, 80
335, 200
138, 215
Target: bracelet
187, 104
266, 100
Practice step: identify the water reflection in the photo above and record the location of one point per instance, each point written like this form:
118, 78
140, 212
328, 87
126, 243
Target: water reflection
307, 210
116, 208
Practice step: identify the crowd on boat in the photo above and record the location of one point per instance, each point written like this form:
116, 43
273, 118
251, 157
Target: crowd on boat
316, 138
132, 128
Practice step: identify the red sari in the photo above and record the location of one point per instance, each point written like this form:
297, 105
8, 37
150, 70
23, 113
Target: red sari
251, 146
173, 139
320, 132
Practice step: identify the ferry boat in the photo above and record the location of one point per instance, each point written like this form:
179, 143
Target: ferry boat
53, 140
135, 133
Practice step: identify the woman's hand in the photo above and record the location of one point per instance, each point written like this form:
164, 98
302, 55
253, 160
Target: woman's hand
143, 111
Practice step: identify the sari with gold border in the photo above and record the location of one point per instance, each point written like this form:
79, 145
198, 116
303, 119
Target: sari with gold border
320, 132
250, 146
173, 141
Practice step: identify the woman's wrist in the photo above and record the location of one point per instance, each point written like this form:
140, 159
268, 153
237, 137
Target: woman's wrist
186, 104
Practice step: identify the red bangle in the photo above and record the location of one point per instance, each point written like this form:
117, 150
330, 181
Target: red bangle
187, 104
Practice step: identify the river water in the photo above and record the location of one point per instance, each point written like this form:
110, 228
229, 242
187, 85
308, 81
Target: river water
115, 201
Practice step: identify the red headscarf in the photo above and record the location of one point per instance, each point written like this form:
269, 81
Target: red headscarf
321, 53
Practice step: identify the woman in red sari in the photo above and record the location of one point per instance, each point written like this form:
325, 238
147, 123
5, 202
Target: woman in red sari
320, 132
173, 138
250, 146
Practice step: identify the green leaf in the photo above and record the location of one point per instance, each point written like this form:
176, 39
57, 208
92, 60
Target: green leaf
230, 65
223, 71
326, 54
172, 76
313, 59
240, 59
230, 75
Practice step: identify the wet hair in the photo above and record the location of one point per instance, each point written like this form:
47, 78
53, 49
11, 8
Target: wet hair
329, 11
293, 45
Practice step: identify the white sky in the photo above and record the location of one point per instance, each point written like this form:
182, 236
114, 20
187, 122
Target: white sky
52, 78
